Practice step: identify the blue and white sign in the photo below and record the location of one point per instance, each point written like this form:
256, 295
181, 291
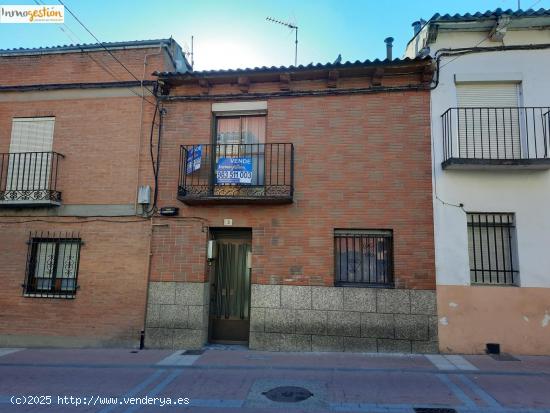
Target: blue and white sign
193, 162
234, 171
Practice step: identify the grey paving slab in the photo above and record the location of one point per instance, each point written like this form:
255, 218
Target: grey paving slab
178, 358
227, 378
6, 351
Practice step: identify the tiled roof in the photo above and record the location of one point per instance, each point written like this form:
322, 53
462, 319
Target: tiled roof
311, 66
83, 46
489, 14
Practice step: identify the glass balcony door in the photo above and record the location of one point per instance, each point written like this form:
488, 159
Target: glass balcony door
240, 151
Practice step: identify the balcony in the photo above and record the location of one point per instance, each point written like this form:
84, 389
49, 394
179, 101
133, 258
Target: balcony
496, 138
236, 173
29, 179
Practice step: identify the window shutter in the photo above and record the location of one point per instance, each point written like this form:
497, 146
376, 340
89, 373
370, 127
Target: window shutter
492, 131
487, 95
32, 134
28, 170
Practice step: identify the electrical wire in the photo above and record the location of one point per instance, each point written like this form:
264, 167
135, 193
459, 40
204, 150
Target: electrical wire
154, 164
434, 174
83, 220
108, 51
488, 36
97, 40
78, 42
90, 219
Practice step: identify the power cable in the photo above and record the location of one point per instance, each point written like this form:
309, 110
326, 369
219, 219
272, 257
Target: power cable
486, 38
109, 52
83, 220
98, 41
78, 42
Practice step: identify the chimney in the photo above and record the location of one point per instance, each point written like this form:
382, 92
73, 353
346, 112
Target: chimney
389, 46
417, 25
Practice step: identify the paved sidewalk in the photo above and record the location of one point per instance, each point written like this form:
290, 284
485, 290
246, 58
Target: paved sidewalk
234, 379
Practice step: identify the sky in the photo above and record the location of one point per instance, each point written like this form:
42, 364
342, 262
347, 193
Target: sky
235, 33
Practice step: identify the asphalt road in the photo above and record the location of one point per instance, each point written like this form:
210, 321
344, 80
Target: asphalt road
226, 379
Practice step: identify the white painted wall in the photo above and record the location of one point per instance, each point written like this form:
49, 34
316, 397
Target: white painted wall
454, 39
526, 193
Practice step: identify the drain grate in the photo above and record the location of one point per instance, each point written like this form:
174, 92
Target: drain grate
434, 410
288, 394
134, 351
192, 352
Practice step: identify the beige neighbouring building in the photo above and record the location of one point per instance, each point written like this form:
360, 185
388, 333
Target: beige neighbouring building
490, 143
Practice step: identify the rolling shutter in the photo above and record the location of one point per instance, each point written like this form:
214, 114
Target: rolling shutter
28, 168
488, 121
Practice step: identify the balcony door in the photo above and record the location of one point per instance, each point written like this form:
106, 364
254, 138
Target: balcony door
239, 154
489, 121
29, 165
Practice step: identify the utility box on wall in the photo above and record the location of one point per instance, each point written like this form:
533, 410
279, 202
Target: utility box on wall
144, 195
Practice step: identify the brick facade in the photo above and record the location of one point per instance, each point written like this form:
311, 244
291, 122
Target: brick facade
109, 306
46, 67
362, 161
99, 131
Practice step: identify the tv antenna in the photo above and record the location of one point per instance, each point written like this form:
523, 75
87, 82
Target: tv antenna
190, 53
290, 26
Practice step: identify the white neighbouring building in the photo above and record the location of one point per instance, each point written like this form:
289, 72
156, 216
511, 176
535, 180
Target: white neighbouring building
490, 125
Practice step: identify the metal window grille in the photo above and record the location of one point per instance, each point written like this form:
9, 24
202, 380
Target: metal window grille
492, 248
363, 257
52, 265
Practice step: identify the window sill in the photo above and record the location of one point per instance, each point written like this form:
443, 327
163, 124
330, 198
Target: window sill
363, 285
472, 284
49, 295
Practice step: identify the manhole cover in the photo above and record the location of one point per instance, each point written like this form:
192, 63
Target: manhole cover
288, 394
433, 410
192, 352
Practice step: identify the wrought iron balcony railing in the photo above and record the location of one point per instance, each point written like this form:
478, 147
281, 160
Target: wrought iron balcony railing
496, 137
236, 173
29, 178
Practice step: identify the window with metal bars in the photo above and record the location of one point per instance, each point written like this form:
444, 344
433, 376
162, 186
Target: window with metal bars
492, 248
363, 258
52, 265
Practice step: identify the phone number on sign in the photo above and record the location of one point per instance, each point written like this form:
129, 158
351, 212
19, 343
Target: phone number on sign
234, 175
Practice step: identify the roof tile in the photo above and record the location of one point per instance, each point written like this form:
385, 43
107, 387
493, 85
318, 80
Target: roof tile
81, 46
490, 14
264, 69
